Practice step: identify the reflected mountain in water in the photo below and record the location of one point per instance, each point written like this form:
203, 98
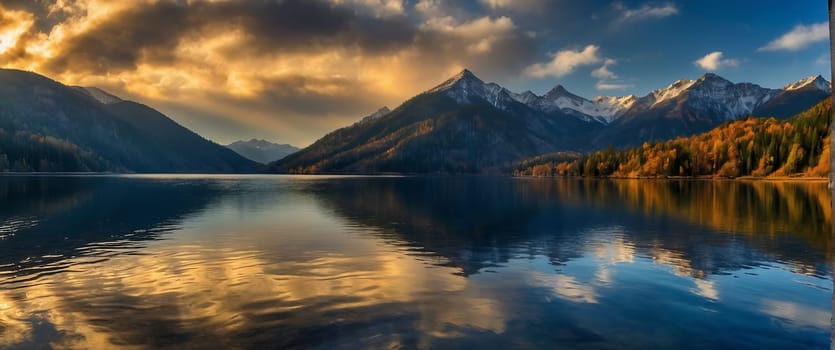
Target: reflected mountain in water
476, 222
46, 219
448, 262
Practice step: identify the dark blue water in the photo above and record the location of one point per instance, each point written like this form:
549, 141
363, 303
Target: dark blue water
389, 262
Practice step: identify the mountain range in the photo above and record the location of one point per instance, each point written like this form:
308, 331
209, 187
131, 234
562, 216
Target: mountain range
461, 126
465, 125
48, 126
262, 151
756, 147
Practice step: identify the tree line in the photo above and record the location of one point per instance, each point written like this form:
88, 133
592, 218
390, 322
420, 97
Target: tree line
757, 147
22, 151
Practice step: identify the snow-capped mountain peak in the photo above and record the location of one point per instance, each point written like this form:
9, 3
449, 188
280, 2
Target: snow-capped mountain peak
602, 109
463, 79
526, 97
613, 107
671, 91
465, 87
817, 82
718, 96
558, 91
714, 80
709, 94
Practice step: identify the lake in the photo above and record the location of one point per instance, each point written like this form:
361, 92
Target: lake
412, 262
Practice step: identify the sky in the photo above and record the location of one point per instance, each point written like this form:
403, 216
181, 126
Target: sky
290, 71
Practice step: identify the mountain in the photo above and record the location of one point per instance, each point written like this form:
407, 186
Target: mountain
100, 95
795, 97
379, 113
686, 107
751, 146
262, 151
603, 109
463, 125
683, 108
48, 126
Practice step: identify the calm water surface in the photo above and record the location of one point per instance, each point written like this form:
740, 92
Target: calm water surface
388, 262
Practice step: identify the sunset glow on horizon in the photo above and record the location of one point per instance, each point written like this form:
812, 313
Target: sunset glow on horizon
291, 71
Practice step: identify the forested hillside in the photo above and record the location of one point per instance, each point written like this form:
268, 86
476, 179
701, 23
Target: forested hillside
756, 147
25, 151
50, 127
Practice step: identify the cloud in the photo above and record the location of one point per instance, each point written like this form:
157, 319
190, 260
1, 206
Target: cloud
645, 11
378, 8
603, 72
290, 70
482, 33
565, 62
430, 8
713, 61
515, 5
799, 38
602, 85
607, 78
14, 28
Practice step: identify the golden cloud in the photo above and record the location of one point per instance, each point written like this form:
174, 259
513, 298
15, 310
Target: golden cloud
293, 69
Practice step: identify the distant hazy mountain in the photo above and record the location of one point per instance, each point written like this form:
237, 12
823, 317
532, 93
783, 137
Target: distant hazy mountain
48, 126
262, 151
467, 125
461, 126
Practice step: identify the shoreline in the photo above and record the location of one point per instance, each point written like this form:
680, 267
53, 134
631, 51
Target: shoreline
688, 178
390, 174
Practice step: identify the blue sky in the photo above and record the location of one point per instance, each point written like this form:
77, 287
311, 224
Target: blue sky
653, 51
290, 71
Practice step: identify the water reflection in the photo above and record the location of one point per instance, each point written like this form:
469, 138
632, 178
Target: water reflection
46, 219
412, 262
496, 218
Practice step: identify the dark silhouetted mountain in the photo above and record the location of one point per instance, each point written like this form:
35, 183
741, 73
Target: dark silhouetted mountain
461, 126
379, 113
47, 126
262, 151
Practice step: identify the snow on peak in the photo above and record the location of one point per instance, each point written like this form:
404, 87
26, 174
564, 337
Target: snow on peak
710, 93
465, 87
462, 79
714, 79
602, 110
671, 91
558, 91
816, 80
379, 113
526, 97
717, 95
614, 106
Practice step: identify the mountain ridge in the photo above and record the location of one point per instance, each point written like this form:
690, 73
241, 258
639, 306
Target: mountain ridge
756, 147
464, 115
48, 126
